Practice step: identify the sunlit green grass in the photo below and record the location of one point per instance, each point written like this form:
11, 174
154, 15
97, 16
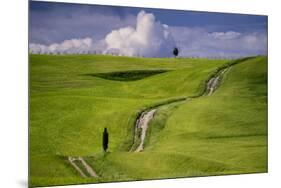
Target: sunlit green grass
220, 134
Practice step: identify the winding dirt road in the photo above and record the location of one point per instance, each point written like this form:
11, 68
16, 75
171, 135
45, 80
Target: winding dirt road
146, 116
142, 124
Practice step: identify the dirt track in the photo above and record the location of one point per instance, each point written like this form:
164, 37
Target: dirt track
86, 167
142, 124
146, 116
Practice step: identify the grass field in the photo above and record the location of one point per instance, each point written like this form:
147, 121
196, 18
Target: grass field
73, 97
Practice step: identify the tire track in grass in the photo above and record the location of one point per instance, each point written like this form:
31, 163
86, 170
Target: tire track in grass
83, 169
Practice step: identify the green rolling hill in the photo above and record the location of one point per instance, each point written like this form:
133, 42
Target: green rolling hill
73, 97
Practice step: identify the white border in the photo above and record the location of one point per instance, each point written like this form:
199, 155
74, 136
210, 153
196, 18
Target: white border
14, 88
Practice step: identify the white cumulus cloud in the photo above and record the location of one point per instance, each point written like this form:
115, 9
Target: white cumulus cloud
67, 46
199, 42
225, 35
149, 38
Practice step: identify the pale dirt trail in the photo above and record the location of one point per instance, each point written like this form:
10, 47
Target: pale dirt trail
142, 124
146, 116
71, 160
213, 83
86, 167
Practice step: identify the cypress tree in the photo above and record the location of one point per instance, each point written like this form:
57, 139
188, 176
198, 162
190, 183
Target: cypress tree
105, 140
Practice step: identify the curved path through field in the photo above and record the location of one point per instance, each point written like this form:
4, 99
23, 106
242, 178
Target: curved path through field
142, 123
146, 116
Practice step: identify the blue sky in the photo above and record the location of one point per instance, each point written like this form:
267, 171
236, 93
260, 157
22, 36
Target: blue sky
195, 33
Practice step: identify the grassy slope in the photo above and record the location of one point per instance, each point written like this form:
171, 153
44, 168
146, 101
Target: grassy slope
229, 128
225, 133
68, 109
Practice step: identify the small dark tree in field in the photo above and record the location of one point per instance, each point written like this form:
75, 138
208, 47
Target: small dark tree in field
176, 52
105, 140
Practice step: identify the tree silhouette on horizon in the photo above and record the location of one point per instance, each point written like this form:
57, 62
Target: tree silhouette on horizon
176, 51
